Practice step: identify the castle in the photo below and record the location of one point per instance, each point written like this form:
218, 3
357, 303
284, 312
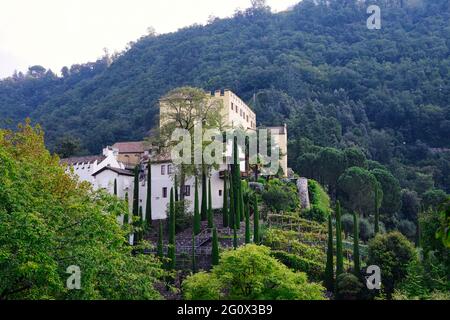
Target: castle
115, 166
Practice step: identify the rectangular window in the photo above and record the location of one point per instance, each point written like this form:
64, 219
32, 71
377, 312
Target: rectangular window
247, 118
232, 108
220, 193
237, 109
169, 169
164, 192
187, 191
163, 170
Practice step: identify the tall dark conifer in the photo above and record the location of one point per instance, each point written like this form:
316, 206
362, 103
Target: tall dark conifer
204, 207
210, 210
339, 253
197, 218
256, 238
160, 250
329, 269
225, 220
172, 246
148, 205
356, 259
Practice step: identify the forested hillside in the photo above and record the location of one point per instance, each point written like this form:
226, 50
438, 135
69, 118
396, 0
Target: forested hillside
316, 67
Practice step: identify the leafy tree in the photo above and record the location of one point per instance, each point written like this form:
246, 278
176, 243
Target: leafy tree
392, 252
331, 164
410, 205
215, 248
356, 190
50, 221
347, 224
354, 157
390, 195
432, 199
250, 273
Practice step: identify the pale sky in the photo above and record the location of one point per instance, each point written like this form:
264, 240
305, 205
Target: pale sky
57, 33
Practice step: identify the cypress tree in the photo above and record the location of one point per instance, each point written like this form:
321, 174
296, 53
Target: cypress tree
126, 214
329, 269
160, 251
356, 261
225, 202
204, 207
136, 191
210, 211
171, 246
194, 262
232, 213
215, 248
377, 211
339, 254
236, 182
197, 219
247, 220
115, 187
256, 238
235, 241
148, 206
241, 201
176, 189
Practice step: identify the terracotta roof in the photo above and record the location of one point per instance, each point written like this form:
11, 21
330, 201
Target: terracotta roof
119, 171
129, 147
163, 156
86, 159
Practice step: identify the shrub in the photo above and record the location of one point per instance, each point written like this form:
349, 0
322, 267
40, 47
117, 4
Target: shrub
348, 287
280, 196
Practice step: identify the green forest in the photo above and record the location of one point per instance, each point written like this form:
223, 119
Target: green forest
368, 120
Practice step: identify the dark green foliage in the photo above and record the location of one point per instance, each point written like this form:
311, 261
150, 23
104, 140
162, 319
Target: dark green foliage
176, 188
356, 190
247, 219
197, 218
334, 83
204, 206
281, 196
432, 199
389, 198
339, 253
159, 249
225, 211
210, 211
136, 192
215, 248
348, 287
148, 206
312, 268
172, 218
115, 187
256, 238
126, 215
329, 269
356, 258
377, 212
392, 252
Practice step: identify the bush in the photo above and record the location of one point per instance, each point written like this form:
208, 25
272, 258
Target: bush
348, 287
366, 229
316, 214
347, 224
281, 196
250, 273
312, 268
392, 252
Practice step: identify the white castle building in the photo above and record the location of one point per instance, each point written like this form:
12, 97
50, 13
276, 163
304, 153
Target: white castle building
117, 163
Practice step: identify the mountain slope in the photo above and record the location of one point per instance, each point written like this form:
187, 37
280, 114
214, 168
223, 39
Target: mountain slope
316, 67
